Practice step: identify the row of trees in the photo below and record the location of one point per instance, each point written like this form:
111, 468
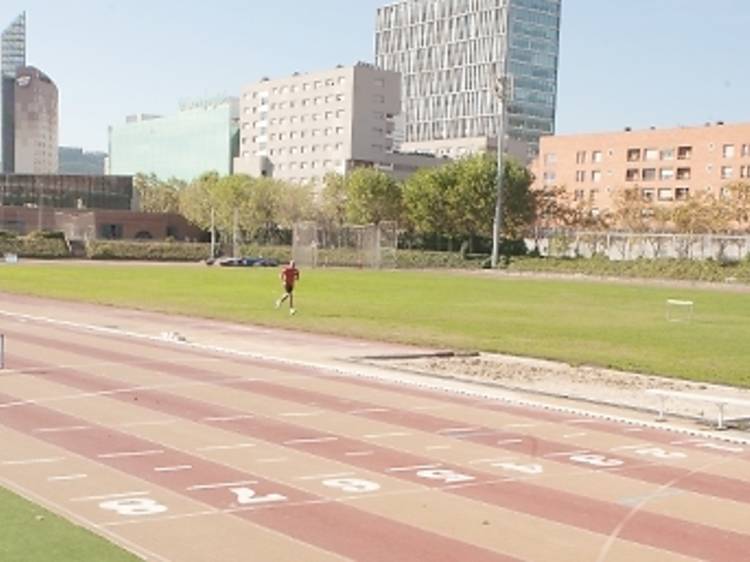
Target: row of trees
453, 201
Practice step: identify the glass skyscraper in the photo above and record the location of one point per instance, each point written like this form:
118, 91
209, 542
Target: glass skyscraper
449, 53
13, 57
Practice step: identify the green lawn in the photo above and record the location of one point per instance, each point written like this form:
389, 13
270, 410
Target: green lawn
29, 533
614, 325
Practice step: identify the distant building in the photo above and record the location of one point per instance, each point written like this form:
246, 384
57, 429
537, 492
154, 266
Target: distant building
201, 137
666, 166
302, 127
67, 192
76, 161
35, 123
13, 56
449, 53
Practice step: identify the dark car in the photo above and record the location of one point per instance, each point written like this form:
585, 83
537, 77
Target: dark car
245, 262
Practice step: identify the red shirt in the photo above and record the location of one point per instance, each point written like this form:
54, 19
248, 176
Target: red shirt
290, 275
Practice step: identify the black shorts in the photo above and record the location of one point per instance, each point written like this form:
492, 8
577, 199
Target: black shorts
289, 288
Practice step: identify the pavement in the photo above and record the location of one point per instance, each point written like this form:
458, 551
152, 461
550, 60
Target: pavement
186, 439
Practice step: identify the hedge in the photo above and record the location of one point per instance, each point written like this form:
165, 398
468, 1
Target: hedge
35, 247
147, 251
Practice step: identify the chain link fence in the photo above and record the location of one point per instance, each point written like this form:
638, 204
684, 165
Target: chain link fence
370, 246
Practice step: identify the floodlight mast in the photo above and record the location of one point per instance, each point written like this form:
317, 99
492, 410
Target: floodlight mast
504, 93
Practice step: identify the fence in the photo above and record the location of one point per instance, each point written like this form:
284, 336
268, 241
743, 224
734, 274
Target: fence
624, 246
371, 246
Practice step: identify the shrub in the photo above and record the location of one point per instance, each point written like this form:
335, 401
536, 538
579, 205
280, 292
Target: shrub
40, 248
147, 251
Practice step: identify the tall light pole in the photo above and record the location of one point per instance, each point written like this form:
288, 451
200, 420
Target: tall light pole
504, 93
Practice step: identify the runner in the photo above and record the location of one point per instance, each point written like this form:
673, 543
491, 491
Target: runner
289, 276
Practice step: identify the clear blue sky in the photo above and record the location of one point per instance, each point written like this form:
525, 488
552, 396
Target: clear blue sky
634, 62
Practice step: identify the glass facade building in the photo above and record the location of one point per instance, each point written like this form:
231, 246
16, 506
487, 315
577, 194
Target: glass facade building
13, 57
450, 53
66, 192
202, 137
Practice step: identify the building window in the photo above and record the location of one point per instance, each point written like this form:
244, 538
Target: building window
378, 98
649, 174
596, 176
578, 195
743, 171
684, 152
593, 194
550, 158
667, 154
666, 194
633, 174
550, 176
728, 151
727, 172
683, 173
597, 156
580, 176
666, 174
745, 150
634, 154
647, 194
682, 193
581, 157
651, 154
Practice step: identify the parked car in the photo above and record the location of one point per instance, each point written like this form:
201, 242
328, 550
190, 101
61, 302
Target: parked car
245, 262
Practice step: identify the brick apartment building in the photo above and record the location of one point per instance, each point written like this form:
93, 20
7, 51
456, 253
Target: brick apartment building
668, 166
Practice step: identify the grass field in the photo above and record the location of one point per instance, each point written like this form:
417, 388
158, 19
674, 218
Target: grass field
613, 325
29, 533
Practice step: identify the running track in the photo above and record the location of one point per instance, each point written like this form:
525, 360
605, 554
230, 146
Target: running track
184, 455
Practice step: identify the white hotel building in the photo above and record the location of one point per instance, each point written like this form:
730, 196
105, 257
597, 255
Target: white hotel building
304, 126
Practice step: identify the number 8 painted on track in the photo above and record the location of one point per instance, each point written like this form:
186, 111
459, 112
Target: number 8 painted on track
135, 507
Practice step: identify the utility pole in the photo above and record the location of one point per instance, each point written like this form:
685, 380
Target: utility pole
213, 233
504, 93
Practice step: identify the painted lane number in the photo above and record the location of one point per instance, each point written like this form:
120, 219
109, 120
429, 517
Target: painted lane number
134, 507
352, 485
248, 496
445, 475
597, 460
531, 469
659, 453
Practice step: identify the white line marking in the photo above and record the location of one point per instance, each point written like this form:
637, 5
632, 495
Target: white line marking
49, 460
228, 418
412, 468
520, 425
325, 476
457, 430
581, 421
310, 440
384, 435
485, 461
198, 487
274, 459
627, 447
122, 454
62, 429
359, 453
573, 435
685, 442
176, 468
566, 453
437, 447
633, 429
509, 441
226, 447
432, 407
67, 477
144, 423
367, 411
300, 414
110, 496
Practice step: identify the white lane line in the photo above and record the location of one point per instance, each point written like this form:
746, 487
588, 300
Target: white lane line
66, 477
359, 453
123, 454
110, 496
61, 429
628, 447
310, 440
566, 453
226, 447
457, 430
228, 418
217, 485
437, 447
574, 435
325, 476
486, 461
176, 468
719, 447
384, 435
48, 460
146, 423
581, 421
412, 468
685, 442
509, 441
633, 430
272, 460
432, 407
520, 425
368, 411
300, 414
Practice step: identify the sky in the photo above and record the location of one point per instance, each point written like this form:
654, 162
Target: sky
636, 63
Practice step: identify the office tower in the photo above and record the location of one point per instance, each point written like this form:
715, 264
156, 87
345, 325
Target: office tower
12, 57
35, 123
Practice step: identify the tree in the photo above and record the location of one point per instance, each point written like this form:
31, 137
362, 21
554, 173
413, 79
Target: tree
738, 194
198, 198
703, 215
519, 203
333, 200
372, 197
157, 196
426, 203
295, 204
632, 211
